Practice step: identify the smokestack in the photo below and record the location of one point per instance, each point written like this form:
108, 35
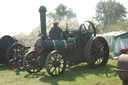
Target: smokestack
42, 11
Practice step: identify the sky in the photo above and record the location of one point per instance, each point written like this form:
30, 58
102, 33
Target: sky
23, 15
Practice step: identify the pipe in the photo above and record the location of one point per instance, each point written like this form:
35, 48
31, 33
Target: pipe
42, 11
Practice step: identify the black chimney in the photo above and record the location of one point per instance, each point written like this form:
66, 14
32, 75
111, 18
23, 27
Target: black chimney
42, 11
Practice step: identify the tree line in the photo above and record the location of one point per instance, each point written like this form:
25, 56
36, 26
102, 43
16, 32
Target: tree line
111, 16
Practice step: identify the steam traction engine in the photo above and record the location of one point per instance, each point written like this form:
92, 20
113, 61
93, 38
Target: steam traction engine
78, 46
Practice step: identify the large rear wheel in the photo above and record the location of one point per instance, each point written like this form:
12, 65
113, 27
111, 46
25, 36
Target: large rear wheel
97, 52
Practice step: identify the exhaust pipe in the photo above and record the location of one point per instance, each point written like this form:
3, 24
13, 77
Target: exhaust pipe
42, 11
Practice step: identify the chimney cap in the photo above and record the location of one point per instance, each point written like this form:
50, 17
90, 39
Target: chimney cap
42, 8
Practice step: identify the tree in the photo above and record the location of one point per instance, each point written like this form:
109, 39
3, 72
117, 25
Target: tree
28, 40
109, 12
122, 25
61, 13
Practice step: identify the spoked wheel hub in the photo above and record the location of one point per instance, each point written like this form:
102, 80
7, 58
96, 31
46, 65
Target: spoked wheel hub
33, 62
56, 64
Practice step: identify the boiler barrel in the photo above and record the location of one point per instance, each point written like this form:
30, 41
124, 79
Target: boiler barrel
50, 45
59, 44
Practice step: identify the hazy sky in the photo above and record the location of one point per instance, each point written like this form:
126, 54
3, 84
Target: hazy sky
22, 15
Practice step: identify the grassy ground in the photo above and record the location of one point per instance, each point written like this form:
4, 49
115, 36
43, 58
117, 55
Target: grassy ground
77, 75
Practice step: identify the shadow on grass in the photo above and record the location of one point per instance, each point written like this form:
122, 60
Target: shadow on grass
34, 75
78, 71
124, 83
4, 67
75, 71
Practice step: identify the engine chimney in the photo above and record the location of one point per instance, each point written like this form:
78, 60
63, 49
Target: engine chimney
42, 11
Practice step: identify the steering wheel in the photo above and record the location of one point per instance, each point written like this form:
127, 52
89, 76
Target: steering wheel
88, 28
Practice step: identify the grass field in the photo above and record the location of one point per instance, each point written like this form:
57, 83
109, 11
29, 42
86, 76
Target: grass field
76, 75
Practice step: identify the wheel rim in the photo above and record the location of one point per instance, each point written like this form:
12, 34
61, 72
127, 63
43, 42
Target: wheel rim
32, 63
55, 64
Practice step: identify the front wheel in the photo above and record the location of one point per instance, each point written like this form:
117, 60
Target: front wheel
32, 62
55, 63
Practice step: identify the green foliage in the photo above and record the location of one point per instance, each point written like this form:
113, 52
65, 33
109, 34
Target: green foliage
72, 25
122, 25
109, 12
64, 15
77, 75
61, 13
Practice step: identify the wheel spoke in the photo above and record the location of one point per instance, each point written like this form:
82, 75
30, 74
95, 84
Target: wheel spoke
94, 55
53, 70
34, 68
94, 49
51, 67
99, 60
50, 63
58, 69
